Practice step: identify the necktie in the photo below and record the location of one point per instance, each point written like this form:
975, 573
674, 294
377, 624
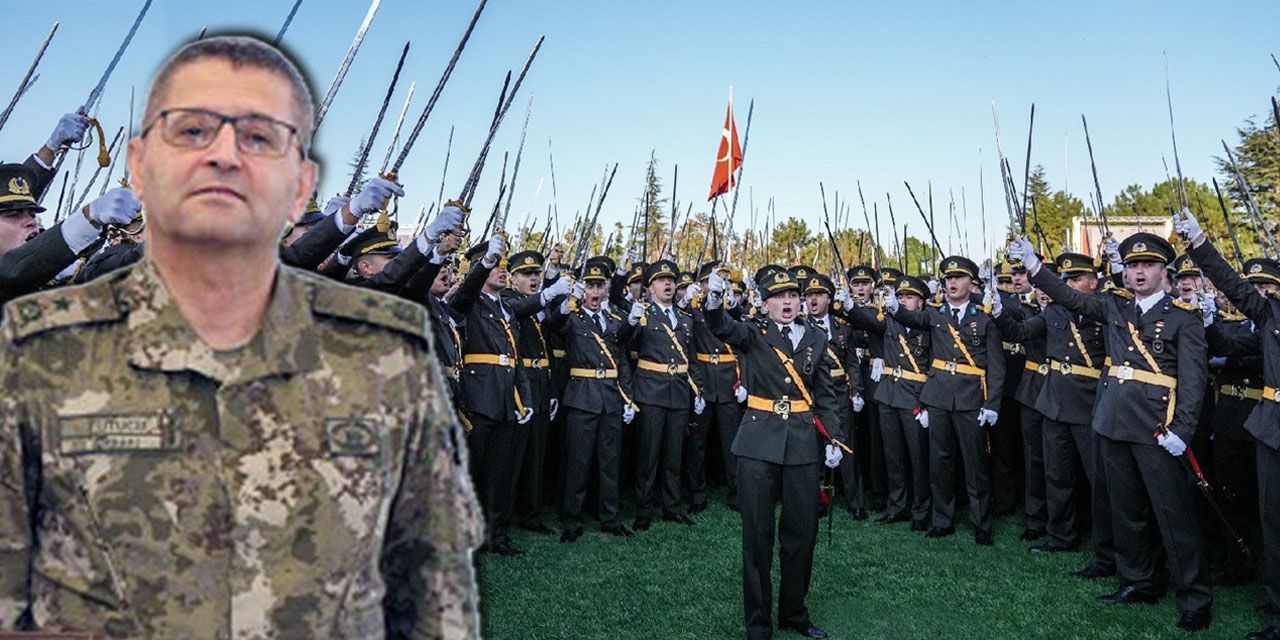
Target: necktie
786, 333
955, 315
671, 313
595, 317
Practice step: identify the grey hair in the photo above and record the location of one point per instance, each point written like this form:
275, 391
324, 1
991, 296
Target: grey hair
240, 51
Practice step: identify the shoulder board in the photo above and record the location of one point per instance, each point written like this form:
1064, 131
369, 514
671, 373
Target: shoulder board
366, 306
840, 321
1185, 306
684, 312
1121, 293
88, 303
615, 317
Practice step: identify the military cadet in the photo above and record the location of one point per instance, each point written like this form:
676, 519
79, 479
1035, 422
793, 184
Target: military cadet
1070, 370
1007, 461
664, 389
779, 446
527, 299
903, 422
722, 389
869, 355
30, 258
596, 399
1261, 307
209, 444
1156, 347
1238, 386
494, 389
962, 395
845, 378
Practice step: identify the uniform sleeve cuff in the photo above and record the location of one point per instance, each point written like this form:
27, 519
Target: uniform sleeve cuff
36, 157
78, 232
345, 228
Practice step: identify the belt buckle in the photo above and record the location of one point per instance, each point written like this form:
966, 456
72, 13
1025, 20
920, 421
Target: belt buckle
951, 368
1065, 368
896, 372
537, 363
672, 369
504, 360
1124, 373
782, 407
1275, 397
599, 373
456, 370
715, 358
1237, 392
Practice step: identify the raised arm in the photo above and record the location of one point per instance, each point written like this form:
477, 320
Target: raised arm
1237, 289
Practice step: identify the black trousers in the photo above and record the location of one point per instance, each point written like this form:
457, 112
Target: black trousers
761, 485
1065, 446
1147, 484
1235, 482
851, 476
1103, 532
957, 434
906, 457
659, 452
497, 449
725, 418
1035, 513
591, 437
1005, 457
531, 487
1268, 497
874, 478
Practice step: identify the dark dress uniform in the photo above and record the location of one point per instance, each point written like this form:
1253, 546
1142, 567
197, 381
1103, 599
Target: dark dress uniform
1030, 360
779, 452
906, 441
721, 374
1137, 399
663, 383
598, 387
1070, 371
31, 266
846, 379
1007, 460
966, 374
1235, 352
866, 349
494, 387
1264, 421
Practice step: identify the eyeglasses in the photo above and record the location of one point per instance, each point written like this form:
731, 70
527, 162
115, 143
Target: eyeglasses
256, 135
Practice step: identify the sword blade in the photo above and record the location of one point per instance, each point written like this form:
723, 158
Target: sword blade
377, 123
287, 21
27, 79
395, 135
346, 64
106, 75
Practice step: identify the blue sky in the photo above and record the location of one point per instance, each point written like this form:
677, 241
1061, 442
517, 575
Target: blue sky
844, 91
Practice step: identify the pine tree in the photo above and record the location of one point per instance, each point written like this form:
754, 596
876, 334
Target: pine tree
355, 159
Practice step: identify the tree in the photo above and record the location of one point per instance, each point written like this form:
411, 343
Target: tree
1257, 157
652, 211
364, 170
790, 237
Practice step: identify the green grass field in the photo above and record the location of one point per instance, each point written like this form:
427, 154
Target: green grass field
875, 581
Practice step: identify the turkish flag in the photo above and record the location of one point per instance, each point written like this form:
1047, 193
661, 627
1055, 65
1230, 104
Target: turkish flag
728, 157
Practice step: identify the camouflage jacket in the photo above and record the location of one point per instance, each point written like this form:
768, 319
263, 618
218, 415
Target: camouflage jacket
309, 484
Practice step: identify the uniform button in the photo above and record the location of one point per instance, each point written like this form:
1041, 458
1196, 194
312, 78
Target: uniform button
1126, 363
1164, 398
787, 379
1131, 348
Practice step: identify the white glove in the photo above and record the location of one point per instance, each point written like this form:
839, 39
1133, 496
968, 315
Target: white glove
933, 286
1111, 249
748, 283
987, 417
637, 312
877, 369
632, 256
1187, 226
699, 405
858, 403
984, 271
693, 291
335, 204
923, 418
1208, 309
70, 130
373, 196
495, 249
117, 206
685, 299
628, 414
524, 418
579, 290
996, 302
559, 288
730, 301
1217, 362
1020, 249
555, 407
834, 456
891, 299
716, 283
842, 296
740, 393
1172, 443
450, 219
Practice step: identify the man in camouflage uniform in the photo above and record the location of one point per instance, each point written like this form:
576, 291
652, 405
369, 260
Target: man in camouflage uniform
175, 466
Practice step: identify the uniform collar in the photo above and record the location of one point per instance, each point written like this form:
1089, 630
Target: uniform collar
159, 338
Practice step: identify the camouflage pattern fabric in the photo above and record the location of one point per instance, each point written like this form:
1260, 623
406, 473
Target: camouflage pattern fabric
309, 484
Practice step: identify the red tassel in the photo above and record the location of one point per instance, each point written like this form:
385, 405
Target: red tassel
823, 497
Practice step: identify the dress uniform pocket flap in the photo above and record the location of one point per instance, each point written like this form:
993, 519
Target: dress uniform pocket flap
358, 436
117, 433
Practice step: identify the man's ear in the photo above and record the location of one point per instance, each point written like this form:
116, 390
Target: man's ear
307, 176
134, 159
